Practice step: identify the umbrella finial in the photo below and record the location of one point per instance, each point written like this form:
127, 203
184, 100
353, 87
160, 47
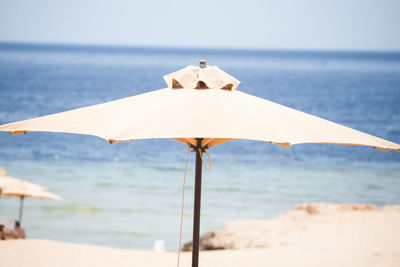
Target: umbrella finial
202, 63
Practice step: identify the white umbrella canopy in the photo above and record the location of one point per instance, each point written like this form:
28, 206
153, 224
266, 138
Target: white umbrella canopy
201, 108
6, 182
199, 102
18, 191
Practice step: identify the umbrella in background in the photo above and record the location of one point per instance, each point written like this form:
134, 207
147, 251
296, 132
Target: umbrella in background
201, 108
13, 187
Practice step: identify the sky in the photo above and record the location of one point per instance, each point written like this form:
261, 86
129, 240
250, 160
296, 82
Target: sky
283, 24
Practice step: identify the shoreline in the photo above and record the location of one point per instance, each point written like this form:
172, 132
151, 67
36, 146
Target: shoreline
319, 234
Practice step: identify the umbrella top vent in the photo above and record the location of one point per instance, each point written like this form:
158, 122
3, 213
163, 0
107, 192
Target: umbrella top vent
201, 77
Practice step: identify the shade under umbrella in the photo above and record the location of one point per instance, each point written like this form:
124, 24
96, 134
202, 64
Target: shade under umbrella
201, 108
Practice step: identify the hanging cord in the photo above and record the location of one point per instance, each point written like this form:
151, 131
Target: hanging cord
183, 201
183, 195
209, 159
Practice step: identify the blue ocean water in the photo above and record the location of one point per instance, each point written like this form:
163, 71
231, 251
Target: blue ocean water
128, 195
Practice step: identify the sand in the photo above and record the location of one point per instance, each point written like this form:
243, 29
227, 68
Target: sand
309, 235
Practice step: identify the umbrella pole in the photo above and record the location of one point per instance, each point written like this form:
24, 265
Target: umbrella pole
197, 202
21, 204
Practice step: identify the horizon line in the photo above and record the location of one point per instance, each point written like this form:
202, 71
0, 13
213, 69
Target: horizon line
188, 48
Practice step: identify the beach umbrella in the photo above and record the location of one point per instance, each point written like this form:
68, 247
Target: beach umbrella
14, 187
7, 181
201, 108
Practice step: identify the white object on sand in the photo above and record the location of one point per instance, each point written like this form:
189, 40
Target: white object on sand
159, 246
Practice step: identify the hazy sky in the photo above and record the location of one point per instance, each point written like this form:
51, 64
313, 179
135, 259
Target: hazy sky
281, 24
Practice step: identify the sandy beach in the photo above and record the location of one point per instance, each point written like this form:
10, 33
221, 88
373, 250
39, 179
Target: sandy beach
308, 235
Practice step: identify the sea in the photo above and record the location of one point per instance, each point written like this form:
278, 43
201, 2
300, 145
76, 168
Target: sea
128, 195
